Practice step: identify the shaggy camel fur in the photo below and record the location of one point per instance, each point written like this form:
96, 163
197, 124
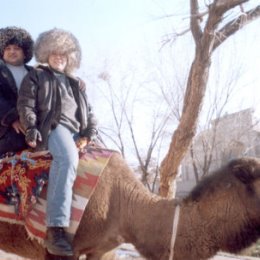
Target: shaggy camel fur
221, 213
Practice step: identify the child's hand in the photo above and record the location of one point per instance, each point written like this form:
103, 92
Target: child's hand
82, 143
32, 135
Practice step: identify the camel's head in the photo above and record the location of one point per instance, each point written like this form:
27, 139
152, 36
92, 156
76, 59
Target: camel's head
238, 180
231, 198
247, 171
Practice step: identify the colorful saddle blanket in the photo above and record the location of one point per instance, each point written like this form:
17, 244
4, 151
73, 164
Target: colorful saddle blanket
23, 181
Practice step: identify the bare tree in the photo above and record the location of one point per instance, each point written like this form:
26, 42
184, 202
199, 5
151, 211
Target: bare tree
125, 130
146, 161
117, 107
207, 36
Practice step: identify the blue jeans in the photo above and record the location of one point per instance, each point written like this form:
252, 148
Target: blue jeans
62, 174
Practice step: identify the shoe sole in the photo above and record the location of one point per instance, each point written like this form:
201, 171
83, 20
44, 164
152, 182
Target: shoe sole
59, 253
55, 251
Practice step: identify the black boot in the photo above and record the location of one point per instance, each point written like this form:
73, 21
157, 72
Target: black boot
57, 242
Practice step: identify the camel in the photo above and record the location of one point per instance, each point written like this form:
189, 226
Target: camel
221, 213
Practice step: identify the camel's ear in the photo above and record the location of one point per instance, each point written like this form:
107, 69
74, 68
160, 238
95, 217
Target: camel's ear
243, 170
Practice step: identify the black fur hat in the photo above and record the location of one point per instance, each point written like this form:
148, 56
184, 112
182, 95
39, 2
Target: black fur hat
17, 36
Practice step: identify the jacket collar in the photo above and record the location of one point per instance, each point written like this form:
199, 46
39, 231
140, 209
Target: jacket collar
52, 71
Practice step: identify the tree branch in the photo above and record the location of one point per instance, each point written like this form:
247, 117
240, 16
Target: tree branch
225, 5
235, 25
195, 21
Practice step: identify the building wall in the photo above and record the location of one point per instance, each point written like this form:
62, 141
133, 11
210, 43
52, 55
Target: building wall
228, 137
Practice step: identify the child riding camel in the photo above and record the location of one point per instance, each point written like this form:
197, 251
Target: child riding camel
55, 112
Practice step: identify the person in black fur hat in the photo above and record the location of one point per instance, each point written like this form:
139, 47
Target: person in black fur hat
16, 49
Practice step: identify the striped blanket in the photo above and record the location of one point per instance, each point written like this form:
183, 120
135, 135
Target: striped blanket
23, 181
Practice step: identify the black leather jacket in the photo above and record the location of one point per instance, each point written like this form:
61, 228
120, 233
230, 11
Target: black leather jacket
39, 104
8, 98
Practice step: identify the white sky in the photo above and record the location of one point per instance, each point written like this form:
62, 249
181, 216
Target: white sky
109, 27
120, 30
99, 24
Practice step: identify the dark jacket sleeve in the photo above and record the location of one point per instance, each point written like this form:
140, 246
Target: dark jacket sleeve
26, 103
91, 122
8, 112
9, 117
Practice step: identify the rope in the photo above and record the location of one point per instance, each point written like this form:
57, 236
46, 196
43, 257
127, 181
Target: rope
176, 217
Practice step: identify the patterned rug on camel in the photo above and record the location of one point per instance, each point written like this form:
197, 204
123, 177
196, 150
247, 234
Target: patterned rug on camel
23, 183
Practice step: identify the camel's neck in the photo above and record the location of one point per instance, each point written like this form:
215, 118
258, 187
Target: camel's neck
148, 224
149, 227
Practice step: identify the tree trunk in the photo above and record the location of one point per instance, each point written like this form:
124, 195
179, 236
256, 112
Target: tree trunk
186, 129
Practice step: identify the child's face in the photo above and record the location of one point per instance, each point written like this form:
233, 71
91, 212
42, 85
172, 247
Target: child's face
58, 61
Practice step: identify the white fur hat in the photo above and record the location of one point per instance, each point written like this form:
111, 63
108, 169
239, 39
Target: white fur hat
58, 41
